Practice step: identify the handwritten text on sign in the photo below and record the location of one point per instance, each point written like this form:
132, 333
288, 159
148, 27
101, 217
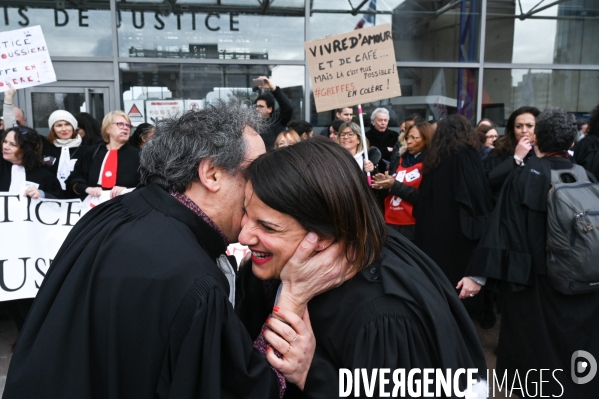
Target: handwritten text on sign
353, 68
24, 59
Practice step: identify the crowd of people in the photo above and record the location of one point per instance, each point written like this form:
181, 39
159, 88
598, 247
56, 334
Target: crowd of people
141, 300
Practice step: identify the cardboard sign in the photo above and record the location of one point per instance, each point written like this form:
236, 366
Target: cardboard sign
160, 109
353, 68
24, 59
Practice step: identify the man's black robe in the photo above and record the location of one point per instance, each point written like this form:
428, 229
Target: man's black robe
134, 306
400, 312
540, 327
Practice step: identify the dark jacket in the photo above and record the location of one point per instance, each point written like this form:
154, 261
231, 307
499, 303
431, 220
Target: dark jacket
586, 153
277, 122
383, 141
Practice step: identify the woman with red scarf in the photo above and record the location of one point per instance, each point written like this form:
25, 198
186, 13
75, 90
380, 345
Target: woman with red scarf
404, 183
112, 165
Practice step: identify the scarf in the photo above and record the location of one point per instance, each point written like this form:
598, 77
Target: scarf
411, 160
17, 179
64, 164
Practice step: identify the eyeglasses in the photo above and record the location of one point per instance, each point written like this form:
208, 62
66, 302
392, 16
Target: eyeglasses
122, 125
260, 106
350, 135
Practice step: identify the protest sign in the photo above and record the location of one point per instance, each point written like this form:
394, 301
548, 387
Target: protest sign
353, 68
24, 59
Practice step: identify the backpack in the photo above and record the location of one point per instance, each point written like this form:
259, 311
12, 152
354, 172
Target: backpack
573, 233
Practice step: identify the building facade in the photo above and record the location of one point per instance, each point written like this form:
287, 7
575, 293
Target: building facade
480, 58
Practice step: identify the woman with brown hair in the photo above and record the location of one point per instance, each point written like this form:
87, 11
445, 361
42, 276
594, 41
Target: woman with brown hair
404, 183
63, 146
395, 310
513, 148
453, 204
21, 169
112, 165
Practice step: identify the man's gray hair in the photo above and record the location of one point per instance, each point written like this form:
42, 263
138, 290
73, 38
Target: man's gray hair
172, 156
379, 110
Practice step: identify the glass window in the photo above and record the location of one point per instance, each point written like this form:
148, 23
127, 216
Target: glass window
538, 32
573, 91
153, 91
202, 29
431, 92
70, 30
422, 30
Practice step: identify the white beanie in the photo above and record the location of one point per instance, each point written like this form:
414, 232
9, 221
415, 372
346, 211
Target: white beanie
62, 115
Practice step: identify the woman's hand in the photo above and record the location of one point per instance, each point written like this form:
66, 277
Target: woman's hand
94, 191
368, 166
295, 342
523, 147
33, 193
116, 190
468, 287
381, 181
309, 273
9, 94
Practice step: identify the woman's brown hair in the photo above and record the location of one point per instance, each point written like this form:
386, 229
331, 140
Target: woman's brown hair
426, 131
30, 146
318, 183
453, 131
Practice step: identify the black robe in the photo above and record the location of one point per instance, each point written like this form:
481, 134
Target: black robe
400, 312
540, 327
586, 153
498, 167
134, 306
40, 175
88, 168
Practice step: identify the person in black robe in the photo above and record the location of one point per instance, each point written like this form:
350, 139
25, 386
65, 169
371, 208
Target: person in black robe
453, 203
397, 311
541, 328
512, 149
26, 143
134, 304
91, 173
586, 151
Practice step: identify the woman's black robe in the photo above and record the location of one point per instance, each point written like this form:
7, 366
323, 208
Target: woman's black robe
540, 327
400, 312
451, 215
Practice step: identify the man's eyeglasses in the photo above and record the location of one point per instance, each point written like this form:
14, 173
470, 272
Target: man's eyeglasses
260, 106
122, 125
348, 135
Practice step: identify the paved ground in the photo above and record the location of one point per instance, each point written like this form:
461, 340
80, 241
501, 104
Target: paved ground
8, 335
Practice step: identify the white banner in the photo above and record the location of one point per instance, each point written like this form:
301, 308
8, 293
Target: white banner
31, 233
24, 59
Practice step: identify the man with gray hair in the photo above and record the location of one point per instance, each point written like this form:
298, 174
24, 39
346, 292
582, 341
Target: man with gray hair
138, 302
381, 137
